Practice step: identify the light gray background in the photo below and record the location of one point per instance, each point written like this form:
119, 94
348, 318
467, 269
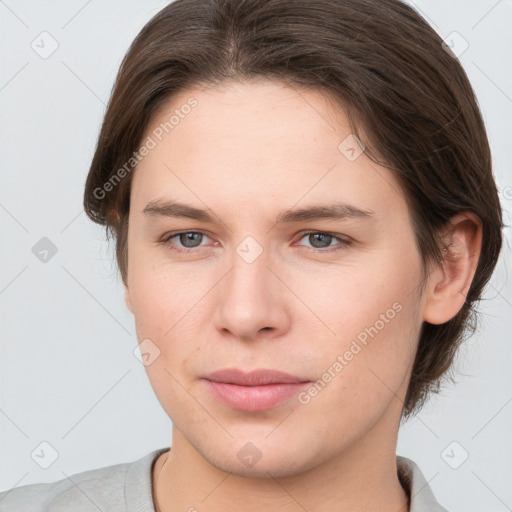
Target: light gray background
68, 373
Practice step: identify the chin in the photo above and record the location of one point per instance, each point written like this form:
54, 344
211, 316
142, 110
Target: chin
262, 459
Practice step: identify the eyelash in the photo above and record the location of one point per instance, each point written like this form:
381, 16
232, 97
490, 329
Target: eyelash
343, 243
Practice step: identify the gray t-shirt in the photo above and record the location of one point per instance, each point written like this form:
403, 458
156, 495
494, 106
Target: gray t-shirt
127, 488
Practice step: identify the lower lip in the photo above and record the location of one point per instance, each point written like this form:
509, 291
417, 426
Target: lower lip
254, 398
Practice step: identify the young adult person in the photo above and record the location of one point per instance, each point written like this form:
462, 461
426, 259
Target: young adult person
305, 216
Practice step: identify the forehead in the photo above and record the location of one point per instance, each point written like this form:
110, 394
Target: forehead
271, 113
257, 141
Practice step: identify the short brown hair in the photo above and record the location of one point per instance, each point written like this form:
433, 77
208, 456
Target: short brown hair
386, 67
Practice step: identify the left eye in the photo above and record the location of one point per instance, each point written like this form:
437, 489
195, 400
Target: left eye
189, 239
320, 240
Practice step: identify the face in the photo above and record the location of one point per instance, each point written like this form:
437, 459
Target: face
303, 261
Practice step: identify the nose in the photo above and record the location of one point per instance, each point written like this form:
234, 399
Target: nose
251, 300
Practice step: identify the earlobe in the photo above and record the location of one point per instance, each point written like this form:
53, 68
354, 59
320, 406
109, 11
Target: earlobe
449, 284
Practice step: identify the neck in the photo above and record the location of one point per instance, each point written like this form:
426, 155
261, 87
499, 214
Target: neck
363, 477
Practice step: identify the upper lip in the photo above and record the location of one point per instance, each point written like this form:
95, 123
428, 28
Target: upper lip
258, 377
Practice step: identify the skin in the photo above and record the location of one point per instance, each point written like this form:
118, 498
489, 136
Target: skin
246, 152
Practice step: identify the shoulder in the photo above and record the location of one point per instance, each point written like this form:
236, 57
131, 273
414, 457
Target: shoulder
421, 495
97, 489
90, 490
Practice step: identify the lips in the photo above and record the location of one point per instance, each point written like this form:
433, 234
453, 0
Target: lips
253, 391
259, 377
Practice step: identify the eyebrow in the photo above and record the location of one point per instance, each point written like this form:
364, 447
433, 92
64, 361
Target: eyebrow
335, 211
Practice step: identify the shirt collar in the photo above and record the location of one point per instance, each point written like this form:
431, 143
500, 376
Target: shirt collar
422, 498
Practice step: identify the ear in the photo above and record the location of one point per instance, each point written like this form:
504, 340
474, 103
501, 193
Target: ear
449, 283
127, 298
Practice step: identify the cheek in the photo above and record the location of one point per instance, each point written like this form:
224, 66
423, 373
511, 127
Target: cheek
368, 298
377, 340
162, 293
169, 306
358, 381
168, 315
171, 319
373, 319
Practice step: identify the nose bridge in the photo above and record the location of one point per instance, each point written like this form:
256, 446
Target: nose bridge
249, 277
249, 298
